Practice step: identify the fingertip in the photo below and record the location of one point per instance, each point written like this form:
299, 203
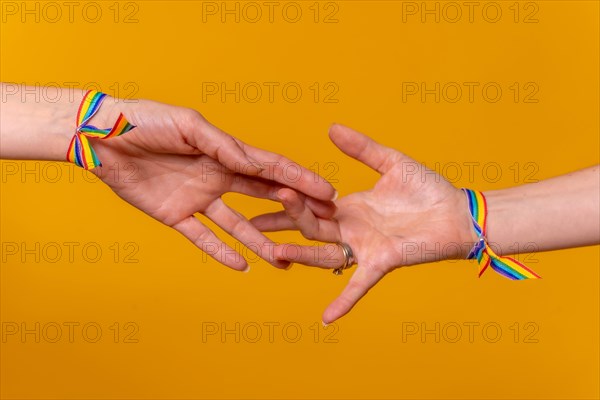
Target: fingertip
281, 264
246, 165
329, 194
335, 129
282, 252
341, 136
334, 126
322, 208
286, 194
291, 200
279, 252
237, 265
234, 260
254, 168
328, 317
337, 309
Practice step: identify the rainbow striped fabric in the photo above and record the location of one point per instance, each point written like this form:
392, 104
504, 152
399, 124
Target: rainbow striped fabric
483, 253
80, 151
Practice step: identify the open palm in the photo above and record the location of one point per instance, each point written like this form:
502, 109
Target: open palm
411, 216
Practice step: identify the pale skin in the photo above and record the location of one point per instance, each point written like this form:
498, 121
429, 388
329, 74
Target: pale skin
183, 165
399, 222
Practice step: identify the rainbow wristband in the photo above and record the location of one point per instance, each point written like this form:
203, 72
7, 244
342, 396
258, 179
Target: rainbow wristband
80, 151
506, 266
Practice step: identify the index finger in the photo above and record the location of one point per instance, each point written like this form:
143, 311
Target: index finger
278, 168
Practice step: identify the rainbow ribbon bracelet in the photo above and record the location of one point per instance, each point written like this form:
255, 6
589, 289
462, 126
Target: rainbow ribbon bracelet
506, 266
80, 150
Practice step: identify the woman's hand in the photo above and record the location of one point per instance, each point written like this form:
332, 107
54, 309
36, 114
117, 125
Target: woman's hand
411, 216
178, 164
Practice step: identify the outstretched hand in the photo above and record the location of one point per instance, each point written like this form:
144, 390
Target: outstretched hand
411, 216
178, 164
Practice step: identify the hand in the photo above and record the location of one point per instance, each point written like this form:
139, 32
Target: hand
410, 212
180, 165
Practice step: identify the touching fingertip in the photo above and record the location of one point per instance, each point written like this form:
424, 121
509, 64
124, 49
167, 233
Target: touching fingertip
246, 270
279, 252
286, 194
253, 167
281, 264
280, 194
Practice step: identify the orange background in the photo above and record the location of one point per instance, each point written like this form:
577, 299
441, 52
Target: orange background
361, 55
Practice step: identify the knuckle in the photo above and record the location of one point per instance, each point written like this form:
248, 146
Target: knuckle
238, 227
202, 237
188, 117
193, 115
280, 161
344, 303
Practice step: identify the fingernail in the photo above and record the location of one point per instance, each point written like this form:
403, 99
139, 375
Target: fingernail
256, 164
324, 324
335, 196
289, 266
246, 270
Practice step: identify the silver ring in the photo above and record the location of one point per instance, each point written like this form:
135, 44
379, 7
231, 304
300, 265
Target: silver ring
348, 258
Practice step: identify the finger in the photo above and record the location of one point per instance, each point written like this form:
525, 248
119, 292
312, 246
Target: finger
310, 226
254, 187
280, 169
321, 208
240, 228
222, 147
361, 282
260, 188
363, 148
329, 256
280, 221
206, 241
274, 222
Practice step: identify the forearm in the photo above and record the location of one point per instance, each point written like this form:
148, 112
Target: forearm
556, 213
36, 129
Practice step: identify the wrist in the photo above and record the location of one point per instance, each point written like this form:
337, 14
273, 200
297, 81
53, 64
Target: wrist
55, 138
65, 117
466, 234
501, 209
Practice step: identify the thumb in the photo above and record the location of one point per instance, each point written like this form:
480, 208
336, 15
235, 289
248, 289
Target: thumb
361, 282
364, 149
